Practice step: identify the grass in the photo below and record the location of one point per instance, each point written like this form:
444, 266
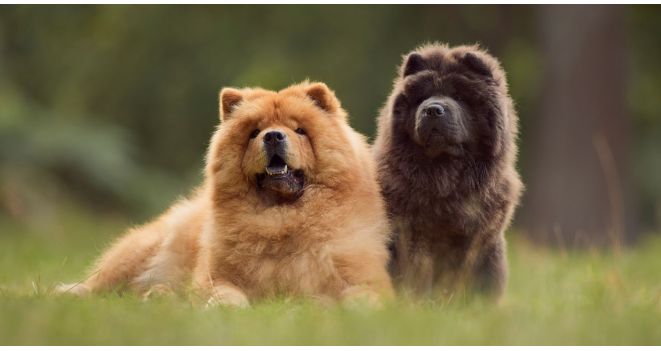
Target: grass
554, 297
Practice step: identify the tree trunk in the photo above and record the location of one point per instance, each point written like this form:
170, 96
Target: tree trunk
578, 187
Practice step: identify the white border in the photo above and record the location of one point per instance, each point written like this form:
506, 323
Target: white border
327, 2
327, 348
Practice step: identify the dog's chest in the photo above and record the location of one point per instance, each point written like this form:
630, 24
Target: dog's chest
285, 266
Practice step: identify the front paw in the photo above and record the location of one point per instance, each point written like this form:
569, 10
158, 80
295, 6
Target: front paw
228, 297
77, 289
157, 291
361, 296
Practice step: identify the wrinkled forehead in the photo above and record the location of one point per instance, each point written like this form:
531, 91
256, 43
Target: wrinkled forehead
444, 61
273, 108
438, 61
429, 83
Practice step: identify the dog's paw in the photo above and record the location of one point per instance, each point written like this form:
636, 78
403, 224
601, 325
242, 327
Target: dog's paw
228, 297
77, 289
360, 296
158, 291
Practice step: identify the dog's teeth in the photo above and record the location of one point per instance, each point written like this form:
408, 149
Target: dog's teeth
280, 172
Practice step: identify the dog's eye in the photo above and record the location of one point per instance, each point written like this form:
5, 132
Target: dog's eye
254, 134
300, 131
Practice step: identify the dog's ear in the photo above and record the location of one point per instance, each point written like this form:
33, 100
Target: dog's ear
323, 97
413, 63
229, 99
476, 64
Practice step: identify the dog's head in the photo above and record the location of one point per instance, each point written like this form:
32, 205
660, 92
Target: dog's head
451, 102
275, 144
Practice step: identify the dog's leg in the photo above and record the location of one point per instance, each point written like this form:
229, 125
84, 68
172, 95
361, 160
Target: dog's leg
209, 284
367, 279
120, 264
227, 294
490, 271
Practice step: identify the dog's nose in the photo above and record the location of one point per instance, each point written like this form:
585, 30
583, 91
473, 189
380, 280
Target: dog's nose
434, 110
274, 138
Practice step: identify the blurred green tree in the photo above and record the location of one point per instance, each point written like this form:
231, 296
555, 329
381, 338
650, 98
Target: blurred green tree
113, 106
579, 184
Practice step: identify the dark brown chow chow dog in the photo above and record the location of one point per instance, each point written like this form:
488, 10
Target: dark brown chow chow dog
446, 153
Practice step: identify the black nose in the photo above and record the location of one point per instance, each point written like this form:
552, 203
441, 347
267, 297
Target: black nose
435, 110
274, 138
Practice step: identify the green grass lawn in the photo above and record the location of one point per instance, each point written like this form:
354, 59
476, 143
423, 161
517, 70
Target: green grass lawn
565, 298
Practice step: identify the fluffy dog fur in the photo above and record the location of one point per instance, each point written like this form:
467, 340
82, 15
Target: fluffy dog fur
446, 153
309, 222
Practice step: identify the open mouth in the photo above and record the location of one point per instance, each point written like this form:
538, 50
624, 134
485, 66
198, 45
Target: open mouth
277, 166
280, 180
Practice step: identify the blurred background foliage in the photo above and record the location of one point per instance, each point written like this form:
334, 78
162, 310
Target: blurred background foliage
110, 108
